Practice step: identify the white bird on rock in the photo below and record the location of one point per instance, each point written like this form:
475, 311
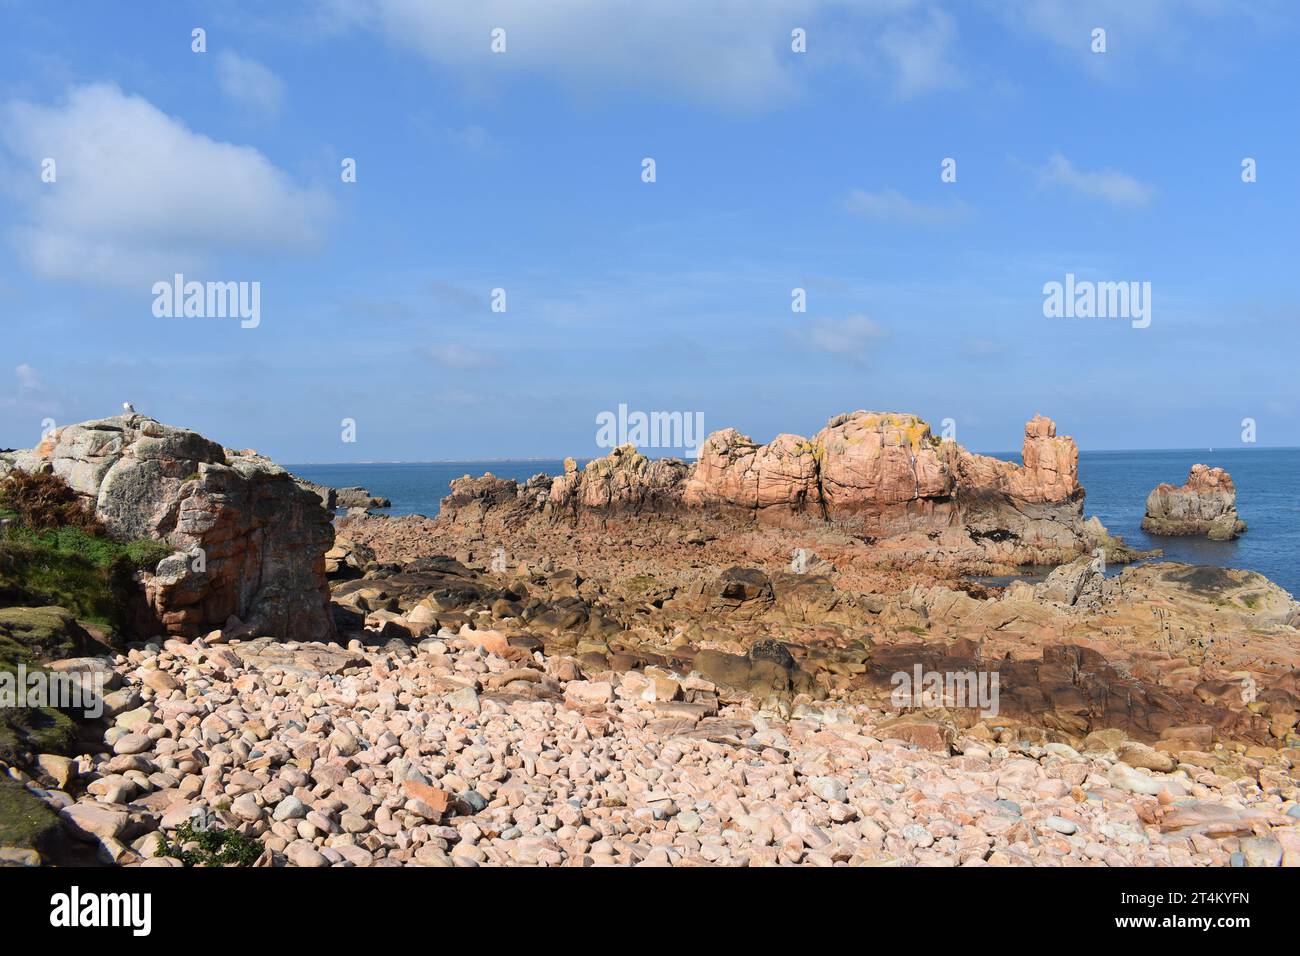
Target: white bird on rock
128, 408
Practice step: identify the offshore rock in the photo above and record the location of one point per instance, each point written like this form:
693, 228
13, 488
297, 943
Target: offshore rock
1206, 504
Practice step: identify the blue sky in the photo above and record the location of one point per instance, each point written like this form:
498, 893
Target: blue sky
522, 171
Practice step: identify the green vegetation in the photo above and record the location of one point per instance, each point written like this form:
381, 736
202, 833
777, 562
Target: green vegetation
44, 500
55, 551
213, 847
58, 566
69, 567
24, 820
29, 635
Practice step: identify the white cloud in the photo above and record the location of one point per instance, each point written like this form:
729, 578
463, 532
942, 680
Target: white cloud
1114, 187
249, 82
32, 398
139, 195
919, 54
459, 356
28, 379
1136, 30
891, 206
728, 53
848, 336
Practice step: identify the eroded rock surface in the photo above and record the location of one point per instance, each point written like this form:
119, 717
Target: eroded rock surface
249, 542
1206, 504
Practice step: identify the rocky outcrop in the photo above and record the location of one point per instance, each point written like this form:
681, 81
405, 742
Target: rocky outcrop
348, 499
1206, 504
885, 473
733, 470
879, 476
623, 481
249, 542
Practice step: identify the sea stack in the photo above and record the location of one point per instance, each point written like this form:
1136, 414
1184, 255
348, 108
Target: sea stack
1206, 504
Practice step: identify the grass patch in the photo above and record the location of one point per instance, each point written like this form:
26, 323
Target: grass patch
91, 576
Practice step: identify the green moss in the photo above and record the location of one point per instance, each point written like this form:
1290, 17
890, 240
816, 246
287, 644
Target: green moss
145, 553
24, 820
641, 583
38, 730
101, 552
29, 635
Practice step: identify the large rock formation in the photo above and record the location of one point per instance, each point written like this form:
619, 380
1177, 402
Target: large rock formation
249, 541
1206, 504
879, 476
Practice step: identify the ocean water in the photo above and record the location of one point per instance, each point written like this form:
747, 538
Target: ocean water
1268, 500
419, 487
1117, 483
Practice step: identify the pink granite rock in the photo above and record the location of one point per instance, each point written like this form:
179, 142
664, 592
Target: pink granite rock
1206, 504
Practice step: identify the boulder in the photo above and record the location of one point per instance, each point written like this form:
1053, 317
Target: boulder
248, 540
1077, 584
733, 470
622, 481
1206, 504
743, 593
885, 470
767, 669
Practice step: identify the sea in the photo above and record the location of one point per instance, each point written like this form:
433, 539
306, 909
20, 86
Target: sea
1117, 484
